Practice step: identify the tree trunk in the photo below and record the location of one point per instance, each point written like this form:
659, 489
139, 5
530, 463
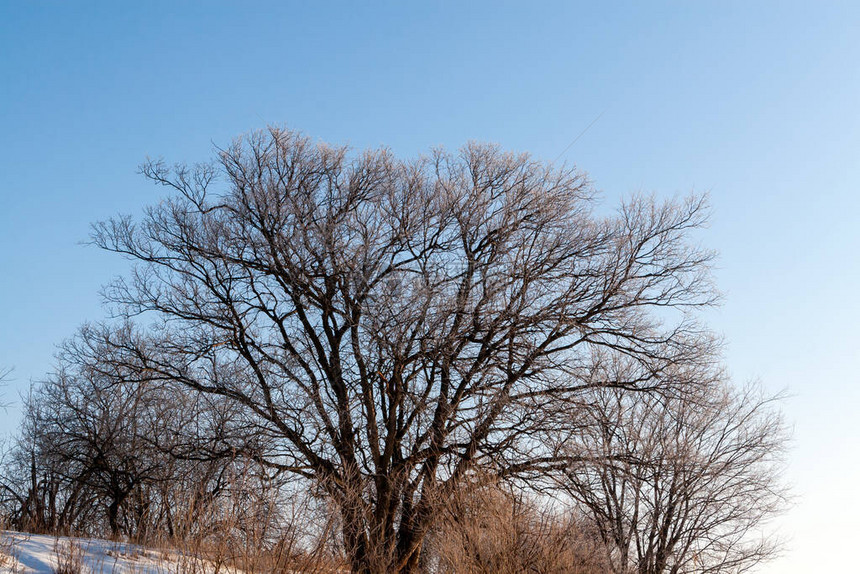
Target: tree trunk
356, 543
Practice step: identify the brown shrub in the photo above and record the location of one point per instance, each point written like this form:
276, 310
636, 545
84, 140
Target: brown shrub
493, 531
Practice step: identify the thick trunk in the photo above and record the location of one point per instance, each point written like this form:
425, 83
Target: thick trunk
410, 538
356, 543
412, 563
113, 514
386, 552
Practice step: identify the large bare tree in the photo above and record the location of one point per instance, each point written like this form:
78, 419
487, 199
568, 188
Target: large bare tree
388, 326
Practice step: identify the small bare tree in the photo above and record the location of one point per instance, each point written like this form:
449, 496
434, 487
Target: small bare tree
683, 482
386, 327
101, 455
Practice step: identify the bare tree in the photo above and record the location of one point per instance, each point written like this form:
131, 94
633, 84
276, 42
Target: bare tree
680, 483
385, 327
5, 377
101, 456
86, 444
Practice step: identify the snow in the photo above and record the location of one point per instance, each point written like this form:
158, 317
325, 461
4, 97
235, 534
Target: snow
39, 554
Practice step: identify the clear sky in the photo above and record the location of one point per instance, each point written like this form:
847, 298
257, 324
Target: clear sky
756, 102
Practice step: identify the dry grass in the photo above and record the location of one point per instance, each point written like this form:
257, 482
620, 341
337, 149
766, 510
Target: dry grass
9, 553
490, 531
253, 530
487, 530
69, 557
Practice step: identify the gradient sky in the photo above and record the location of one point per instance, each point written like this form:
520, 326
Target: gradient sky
759, 105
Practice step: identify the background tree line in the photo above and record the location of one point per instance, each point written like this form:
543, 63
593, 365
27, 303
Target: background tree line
406, 347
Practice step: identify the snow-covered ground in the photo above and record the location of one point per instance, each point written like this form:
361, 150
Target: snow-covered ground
42, 554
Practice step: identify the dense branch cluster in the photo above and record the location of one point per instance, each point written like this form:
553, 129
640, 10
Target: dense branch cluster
385, 330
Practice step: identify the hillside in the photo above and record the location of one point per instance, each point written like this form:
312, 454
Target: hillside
44, 554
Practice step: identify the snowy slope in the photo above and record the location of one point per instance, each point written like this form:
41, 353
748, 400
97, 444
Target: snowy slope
40, 554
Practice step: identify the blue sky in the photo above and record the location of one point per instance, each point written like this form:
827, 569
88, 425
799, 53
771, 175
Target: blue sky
757, 103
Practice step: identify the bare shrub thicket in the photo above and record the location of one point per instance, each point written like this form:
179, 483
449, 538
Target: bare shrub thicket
102, 455
99, 455
495, 530
69, 557
261, 525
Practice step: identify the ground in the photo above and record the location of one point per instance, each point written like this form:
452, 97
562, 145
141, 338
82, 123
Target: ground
42, 554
